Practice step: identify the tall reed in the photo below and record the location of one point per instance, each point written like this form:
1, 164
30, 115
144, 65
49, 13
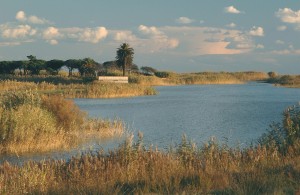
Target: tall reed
31, 122
134, 168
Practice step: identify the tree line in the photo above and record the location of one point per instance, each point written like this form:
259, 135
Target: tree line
85, 67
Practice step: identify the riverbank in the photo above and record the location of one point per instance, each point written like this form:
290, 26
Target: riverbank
271, 167
201, 78
292, 81
31, 122
80, 90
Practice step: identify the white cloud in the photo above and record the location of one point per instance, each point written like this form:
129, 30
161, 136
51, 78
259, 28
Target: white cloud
256, 31
157, 38
150, 30
20, 31
125, 36
50, 33
281, 28
184, 20
93, 35
287, 15
231, 10
195, 41
21, 16
231, 25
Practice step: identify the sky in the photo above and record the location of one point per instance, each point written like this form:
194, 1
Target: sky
172, 35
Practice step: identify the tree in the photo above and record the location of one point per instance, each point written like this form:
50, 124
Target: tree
272, 74
35, 65
87, 67
8, 67
72, 64
148, 70
124, 56
53, 66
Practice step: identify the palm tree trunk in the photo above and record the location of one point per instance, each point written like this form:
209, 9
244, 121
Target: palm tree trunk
124, 66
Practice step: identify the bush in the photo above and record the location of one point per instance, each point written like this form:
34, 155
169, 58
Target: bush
67, 114
284, 135
164, 74
26, 123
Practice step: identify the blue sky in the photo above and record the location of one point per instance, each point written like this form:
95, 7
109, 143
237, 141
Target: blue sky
175, 35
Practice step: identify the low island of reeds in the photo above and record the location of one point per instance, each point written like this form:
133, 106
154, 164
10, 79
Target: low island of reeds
270, 166
292, 81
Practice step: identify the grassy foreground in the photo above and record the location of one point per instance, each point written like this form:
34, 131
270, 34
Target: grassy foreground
270, 167
31, 122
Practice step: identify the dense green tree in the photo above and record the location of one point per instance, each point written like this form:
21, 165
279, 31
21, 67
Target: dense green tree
35, 65
53, 66
72, 64
87, 67
125, 56
148, 70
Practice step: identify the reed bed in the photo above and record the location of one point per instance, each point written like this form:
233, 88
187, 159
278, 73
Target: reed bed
90, 90
270, 167
170, 78
31, 122
286, 81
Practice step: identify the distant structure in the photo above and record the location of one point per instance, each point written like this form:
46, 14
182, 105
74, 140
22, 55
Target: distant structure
113, 79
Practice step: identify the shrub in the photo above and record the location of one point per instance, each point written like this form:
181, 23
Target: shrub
26, 123
272, 74
164, 74
67, 114
14, 99
284, 135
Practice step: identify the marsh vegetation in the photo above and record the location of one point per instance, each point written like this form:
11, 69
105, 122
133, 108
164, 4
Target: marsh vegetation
33, 122
271, 166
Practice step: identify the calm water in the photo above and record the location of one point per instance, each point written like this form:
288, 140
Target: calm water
237, 113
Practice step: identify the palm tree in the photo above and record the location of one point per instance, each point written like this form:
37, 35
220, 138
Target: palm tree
124, 56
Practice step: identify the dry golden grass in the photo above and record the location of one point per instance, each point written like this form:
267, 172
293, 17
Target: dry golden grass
202, 78
30, 122
132, 169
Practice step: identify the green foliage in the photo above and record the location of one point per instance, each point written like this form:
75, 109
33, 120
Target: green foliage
284, 135
26, 123
87, 67
124, 56
148, 70
53, 66
163, 74
272, 74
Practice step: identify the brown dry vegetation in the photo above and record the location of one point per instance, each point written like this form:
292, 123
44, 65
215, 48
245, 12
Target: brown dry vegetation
90, 90
31, 122
170, 78
286, 81
270, 167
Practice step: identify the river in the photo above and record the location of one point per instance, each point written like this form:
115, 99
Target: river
235, 114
